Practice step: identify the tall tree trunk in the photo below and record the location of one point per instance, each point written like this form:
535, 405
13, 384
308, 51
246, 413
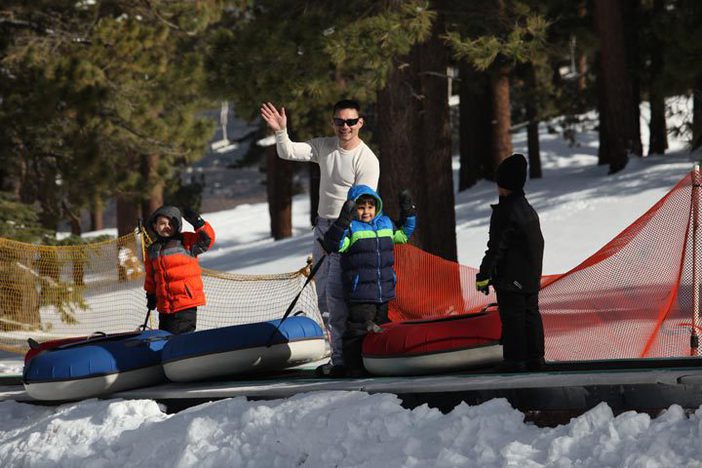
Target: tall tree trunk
433, 138
533, 126
632, 20
475, 127
127, 213
581, 63
97, 214
415, 146
603, 153
73, 219
279, 175
153, 184
658, 130
616, 85
697, 113
397, 110
502, 120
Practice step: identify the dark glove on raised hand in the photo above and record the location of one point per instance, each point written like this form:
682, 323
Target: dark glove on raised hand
193, 218
407, 207
150, 301
335, 233
348, 213
482, 284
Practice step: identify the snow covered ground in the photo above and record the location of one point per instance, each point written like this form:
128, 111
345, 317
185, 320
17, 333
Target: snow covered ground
580, 208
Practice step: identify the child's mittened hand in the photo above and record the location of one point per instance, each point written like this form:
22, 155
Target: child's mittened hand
348, 212
482, 284
193, 217
407, 207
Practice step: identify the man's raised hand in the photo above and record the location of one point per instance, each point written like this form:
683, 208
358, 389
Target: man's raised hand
276, 120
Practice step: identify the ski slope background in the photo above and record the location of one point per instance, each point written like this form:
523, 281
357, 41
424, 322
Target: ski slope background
581, 209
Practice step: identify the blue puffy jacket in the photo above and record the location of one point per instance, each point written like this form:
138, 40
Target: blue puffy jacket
368, 252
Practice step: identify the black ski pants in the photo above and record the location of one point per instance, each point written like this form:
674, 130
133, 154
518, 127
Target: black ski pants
183, 321
522, 328
362, 317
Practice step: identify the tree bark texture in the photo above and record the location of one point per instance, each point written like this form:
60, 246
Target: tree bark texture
397, 109
617, 100
97, 214
658, 129
153, 184
697, 113
279, 174
632, 20
439, 232
533, 147
415, 144
501, 120
127, 214
475, 125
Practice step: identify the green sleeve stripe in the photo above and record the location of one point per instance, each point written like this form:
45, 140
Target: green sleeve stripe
400, 237
345, 244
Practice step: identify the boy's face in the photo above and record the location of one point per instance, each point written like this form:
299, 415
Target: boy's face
365, 208
164, 227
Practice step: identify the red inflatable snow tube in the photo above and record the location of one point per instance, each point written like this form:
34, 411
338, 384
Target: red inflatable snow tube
439, 345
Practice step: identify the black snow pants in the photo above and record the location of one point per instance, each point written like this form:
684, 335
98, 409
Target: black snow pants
183, 321
362, 318
522, 328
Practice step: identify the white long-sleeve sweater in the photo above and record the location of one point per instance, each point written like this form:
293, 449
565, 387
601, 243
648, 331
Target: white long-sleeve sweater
340, 169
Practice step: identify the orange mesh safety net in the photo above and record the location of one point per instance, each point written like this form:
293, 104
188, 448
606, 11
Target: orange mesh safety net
631, 299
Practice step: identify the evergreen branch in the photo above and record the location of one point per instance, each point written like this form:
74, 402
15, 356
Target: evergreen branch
163, 146
19, 24
168, 23
437, 74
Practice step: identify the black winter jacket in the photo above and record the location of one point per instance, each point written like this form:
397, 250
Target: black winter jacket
514, 257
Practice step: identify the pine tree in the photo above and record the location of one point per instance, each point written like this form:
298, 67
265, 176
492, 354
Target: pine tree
500, 35
111, 83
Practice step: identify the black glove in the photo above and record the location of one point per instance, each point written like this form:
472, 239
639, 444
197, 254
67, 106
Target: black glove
150, 301
193, 218
348, 214
482, 284
407, 207
333, 236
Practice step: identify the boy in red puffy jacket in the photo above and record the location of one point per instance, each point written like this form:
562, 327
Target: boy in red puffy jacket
173, 281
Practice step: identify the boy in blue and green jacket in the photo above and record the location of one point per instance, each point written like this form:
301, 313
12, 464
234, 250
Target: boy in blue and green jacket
365, 237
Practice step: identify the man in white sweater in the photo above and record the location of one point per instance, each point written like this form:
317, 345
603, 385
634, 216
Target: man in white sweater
344, 160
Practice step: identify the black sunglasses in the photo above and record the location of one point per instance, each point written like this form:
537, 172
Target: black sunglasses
350, 122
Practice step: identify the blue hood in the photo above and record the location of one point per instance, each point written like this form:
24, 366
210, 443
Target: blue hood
357, 191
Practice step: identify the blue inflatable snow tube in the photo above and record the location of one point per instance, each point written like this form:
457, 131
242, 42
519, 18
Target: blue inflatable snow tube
236, 337
97, 357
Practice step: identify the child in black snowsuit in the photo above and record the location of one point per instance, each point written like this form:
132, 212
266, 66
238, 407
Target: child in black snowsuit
365, 237
512, 265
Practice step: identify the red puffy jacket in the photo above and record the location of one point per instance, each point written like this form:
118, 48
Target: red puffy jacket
173, 272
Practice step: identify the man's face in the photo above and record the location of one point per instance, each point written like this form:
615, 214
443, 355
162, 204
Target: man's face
342, 124
366, 210
164, 227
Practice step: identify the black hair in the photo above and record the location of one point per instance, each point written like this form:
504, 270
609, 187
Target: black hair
367, 197
347, 104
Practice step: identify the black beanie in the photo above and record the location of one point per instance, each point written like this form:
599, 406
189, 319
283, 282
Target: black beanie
512, 172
